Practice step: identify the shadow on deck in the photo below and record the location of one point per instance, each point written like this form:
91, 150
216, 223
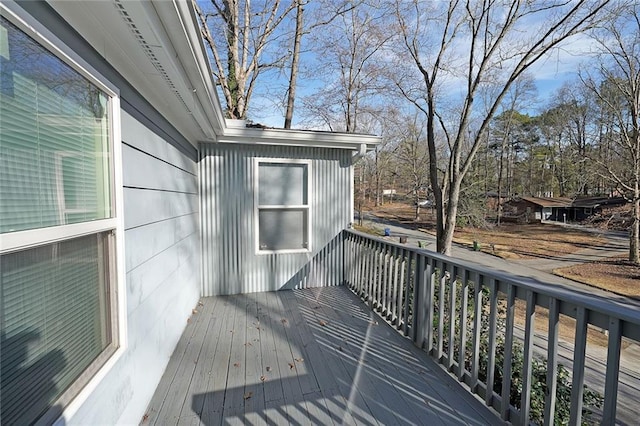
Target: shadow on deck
314, 356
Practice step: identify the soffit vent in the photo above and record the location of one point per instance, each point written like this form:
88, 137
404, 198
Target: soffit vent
149, 51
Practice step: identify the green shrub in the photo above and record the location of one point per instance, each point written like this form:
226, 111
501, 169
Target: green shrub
591, 399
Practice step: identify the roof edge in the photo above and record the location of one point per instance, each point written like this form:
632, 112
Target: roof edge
302, 138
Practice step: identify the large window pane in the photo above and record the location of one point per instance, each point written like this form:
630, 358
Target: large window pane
54, 142
282, 184
54, 310
283, 229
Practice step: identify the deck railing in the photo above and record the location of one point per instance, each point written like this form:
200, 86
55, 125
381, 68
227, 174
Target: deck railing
469, 318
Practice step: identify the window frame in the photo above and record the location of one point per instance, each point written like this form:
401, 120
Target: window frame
257, 161
112, 228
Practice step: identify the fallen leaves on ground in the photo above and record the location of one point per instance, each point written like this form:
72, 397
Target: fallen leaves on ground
616, 275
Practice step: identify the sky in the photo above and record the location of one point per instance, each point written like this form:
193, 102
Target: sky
549, 75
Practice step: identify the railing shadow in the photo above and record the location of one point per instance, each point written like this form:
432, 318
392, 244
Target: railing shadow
359, 371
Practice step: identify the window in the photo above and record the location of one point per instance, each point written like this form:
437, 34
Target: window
282, 206
57, 228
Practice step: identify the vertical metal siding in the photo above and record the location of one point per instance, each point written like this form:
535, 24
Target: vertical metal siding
230, 264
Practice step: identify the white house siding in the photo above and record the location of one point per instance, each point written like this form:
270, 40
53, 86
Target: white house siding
230, 264
162, 248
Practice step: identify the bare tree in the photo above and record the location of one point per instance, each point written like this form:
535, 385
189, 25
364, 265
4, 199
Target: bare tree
295, 63
509, 118
249, 30
412, 157
457, 48
329, 10
617, 90
347, 52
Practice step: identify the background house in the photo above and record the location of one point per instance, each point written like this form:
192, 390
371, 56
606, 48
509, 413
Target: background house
586, 207
126, 196
527, 209
530, 209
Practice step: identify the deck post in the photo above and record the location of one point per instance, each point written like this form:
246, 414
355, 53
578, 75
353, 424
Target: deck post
420, 302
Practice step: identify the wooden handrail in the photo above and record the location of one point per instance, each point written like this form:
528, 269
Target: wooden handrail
427, 297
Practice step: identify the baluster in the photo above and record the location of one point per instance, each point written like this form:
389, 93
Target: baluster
453, 288
477, 328
441, 302
613, 370
464, 296
508, 353
579, 352
401, 289
552, 363
529, 334
493, 317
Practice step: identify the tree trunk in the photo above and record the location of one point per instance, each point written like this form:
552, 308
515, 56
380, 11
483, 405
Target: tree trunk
295, 61
450, 222
634, 234
500, 173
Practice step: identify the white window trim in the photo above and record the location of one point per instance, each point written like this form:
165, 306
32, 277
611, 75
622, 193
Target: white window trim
26, 239
256, 203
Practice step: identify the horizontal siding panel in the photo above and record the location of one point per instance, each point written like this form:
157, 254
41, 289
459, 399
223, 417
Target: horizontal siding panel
141, 170
230, 264
145, 242
136, 134
143, 280
148, 206
153, 317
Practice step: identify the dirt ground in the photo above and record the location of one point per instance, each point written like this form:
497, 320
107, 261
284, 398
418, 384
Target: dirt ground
513, 241
616, 275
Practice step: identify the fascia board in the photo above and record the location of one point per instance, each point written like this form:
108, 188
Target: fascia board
181, 60
200, 73
303, 138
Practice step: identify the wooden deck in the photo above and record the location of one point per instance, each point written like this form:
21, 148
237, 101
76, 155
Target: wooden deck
315, 356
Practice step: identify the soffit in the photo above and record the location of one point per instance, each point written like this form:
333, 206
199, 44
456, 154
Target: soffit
150, 45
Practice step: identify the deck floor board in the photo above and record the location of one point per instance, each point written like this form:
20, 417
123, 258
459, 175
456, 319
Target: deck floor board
303, 357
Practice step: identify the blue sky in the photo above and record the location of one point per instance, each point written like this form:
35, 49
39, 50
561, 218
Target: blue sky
549, 75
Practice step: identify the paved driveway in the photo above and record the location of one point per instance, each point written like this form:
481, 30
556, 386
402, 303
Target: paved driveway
539, 269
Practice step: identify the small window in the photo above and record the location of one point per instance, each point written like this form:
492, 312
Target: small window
282, 206
57, 228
